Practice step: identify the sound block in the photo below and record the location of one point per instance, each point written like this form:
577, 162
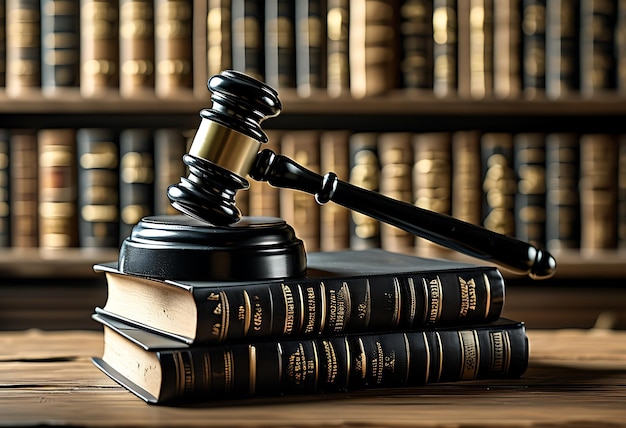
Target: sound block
183, 248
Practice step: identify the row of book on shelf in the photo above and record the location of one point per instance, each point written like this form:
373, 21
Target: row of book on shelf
474, 49
87, 187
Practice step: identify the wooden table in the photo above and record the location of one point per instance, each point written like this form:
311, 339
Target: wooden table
576, 378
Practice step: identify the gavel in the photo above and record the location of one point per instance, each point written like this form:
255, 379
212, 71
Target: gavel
227, 148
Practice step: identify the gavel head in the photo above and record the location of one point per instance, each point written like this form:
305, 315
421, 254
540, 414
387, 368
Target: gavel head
224, 148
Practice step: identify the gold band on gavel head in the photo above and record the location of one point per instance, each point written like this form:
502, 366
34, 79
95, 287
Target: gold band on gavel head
225, 147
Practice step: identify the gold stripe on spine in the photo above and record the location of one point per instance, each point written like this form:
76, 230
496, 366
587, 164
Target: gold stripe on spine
368, 300
440, 346
428, 357
247, 317
228, 371
348, 362
206, 370
426, 301
180, 373
323, 310
362, 360
316, 364
397, 301
225, 315
412, 301
225, 147
488, 294
302, 310
407, 350
253, 364
279, 354
507, 353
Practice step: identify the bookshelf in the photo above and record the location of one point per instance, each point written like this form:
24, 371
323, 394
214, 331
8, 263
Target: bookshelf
405, 104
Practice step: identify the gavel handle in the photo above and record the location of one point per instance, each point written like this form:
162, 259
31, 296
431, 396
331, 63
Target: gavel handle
507, 252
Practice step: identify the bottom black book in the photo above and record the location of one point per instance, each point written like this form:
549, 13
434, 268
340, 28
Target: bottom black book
159, 369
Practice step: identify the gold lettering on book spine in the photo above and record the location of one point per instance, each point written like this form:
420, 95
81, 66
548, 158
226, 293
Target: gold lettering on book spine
436, 298
500, 352
289, 309
311, 310
468, 296
360, 361
247, 313
397, 301
252, 357
412, 304
470, 354
330, 362
228, 371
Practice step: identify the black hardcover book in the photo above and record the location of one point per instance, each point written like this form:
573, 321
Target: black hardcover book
345, 291
247, 33
310, 27
280, 44
136, 178
60, 49
98, 188
160, 370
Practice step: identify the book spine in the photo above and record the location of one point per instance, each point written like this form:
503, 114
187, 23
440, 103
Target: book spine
299, 209
60, 50
530, 199
3, 43
173, 48
308, 307
432, 175
263, 199
507, 81
169, 147
445, 27
597, 46
562, 193
620, 47
416, 34
598, 191
136, 48
310, 53
24, 196
621, 193
280, 43
466, 177
23, 47
58, 221
247, 33
136, 178
98, 187
499, 182
364, 172
99, 48
5, 230
373, 47
335, 219
219, 37
199, 48
334, 364
534, 47
480, 49
562, 48
337, 54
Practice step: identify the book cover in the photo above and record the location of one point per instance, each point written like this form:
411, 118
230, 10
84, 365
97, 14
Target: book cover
137, 62
562, 192
58, 192
60, 49
23, 47
598, 191
5, 175
364, 166
247, 33
219, 37
337, 48
173, 44
373, 47
300, 209
24, 186
416, 35
98, 187
280, 43
534, 48
395, 151
334, 218
562, 48
99, 48
136, 178
341, 292
445, 48
160, 371
530, 199
310, 52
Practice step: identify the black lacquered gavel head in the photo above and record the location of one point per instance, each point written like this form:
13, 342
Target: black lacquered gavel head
224, 148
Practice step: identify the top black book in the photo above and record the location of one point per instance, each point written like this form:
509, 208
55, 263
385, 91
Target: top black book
341, 292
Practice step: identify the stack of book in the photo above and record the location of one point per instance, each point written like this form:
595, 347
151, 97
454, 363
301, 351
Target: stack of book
356, 320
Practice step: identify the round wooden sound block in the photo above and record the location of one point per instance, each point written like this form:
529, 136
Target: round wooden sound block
183, 248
